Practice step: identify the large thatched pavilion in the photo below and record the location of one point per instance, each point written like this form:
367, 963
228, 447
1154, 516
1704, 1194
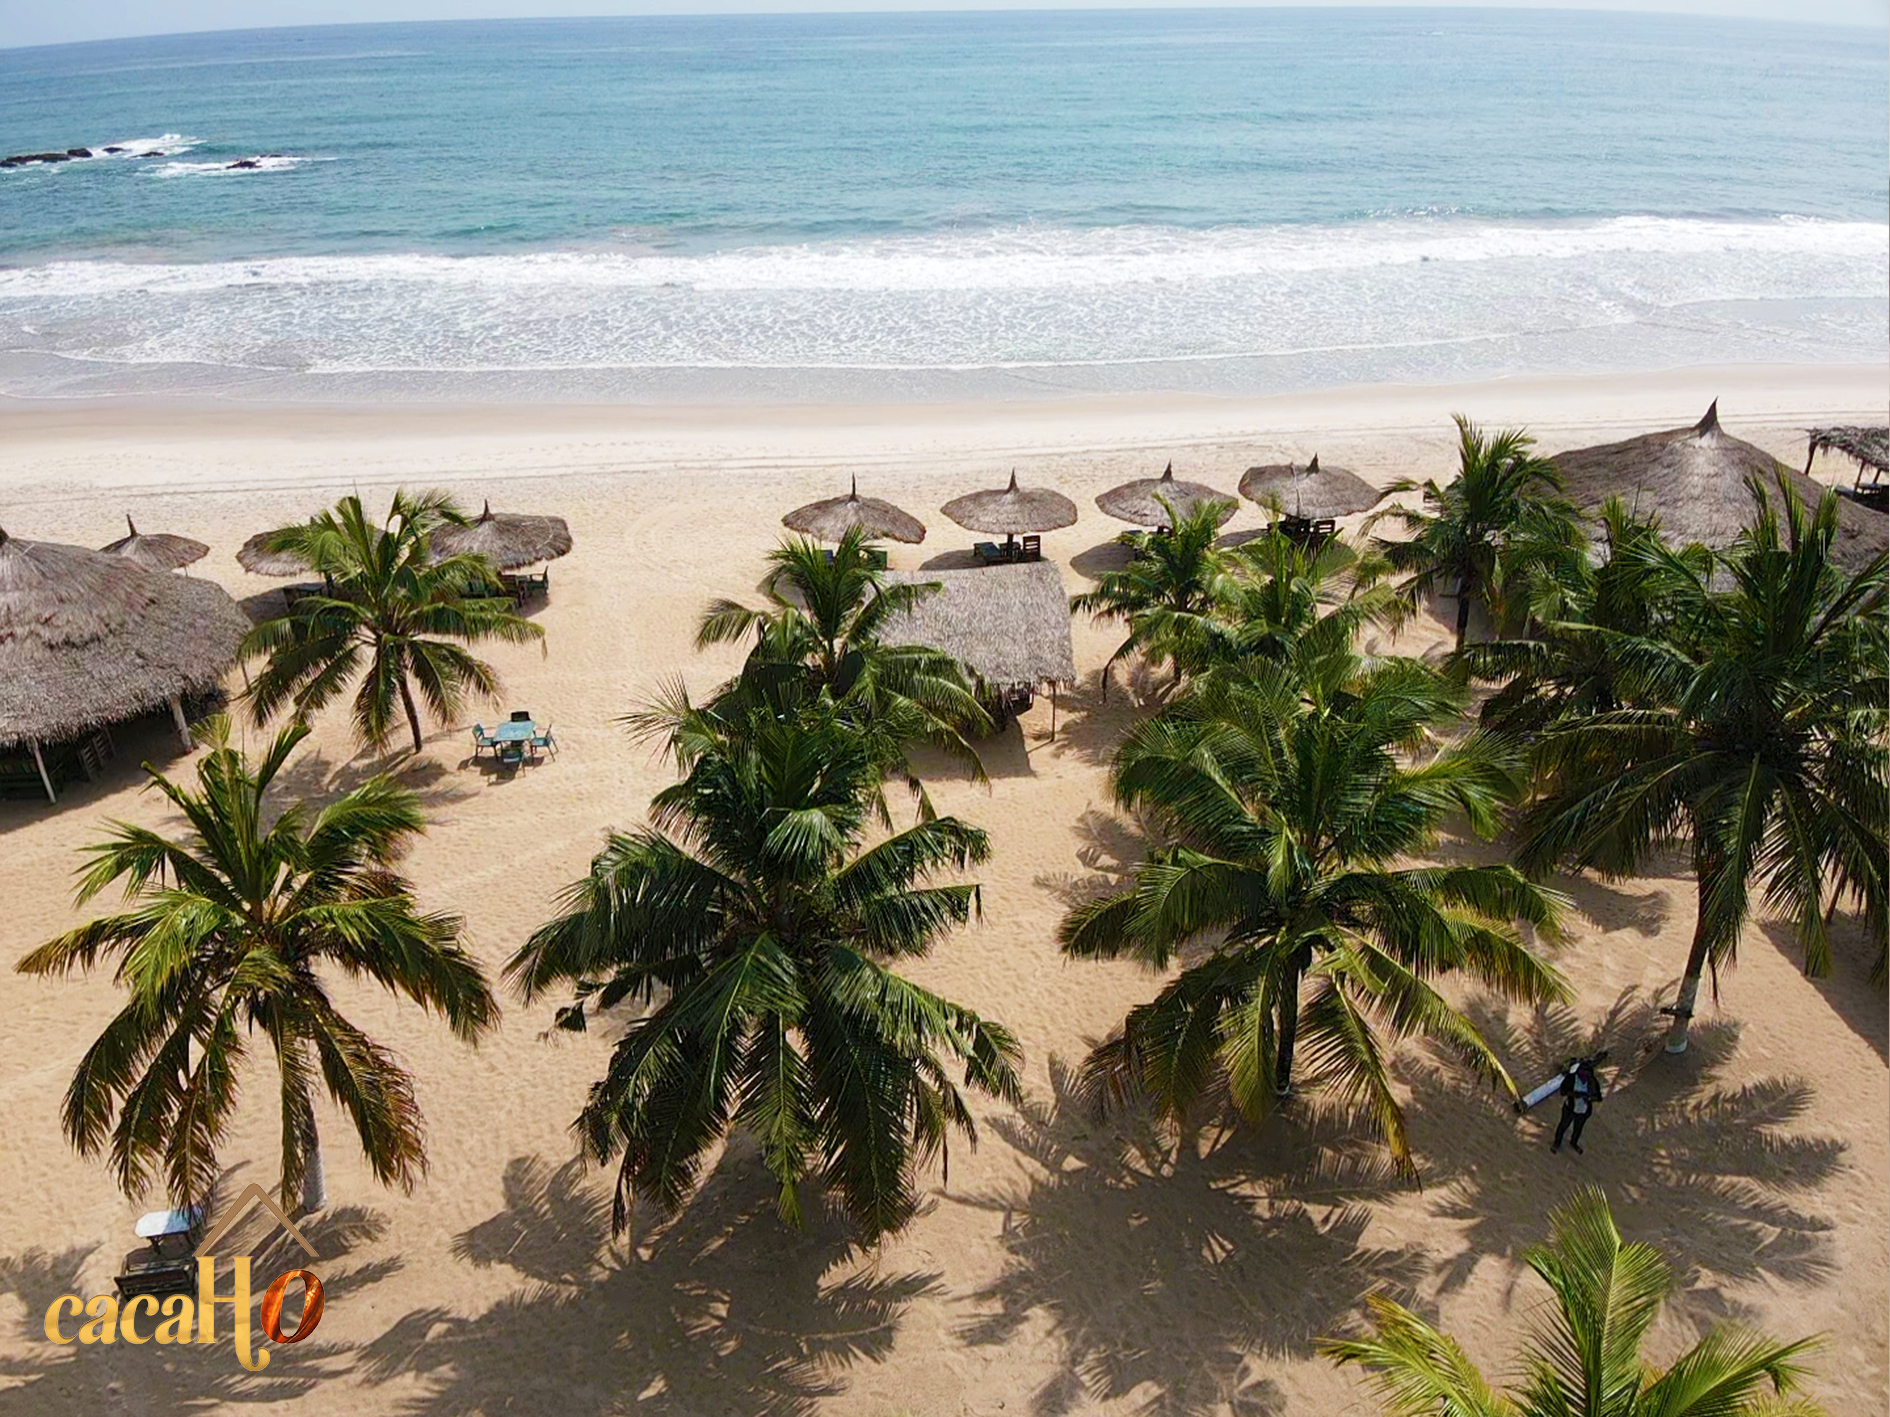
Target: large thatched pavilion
1008, 625
88, 638
1695, 480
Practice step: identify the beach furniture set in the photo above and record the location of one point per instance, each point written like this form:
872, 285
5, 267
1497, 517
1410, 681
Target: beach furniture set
513, 741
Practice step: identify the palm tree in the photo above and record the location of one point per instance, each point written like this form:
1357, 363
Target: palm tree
1490, 525
1590, 623
1586, 1356
822, 630
752, 920
388, 615
1284, 601
1169, 587
226, 937
1755, 737
1289, 813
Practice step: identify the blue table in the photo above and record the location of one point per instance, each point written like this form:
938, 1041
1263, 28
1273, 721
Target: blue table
515, 731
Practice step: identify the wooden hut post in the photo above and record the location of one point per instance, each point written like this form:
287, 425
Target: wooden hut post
45, 778
183, 725
1053, 710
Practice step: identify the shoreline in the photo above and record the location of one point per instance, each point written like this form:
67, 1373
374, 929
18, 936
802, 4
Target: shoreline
132, 445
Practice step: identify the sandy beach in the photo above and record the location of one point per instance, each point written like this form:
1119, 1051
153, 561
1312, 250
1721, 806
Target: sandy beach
1065, 1267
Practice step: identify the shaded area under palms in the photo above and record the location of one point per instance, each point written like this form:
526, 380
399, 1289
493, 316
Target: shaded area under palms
716, 1310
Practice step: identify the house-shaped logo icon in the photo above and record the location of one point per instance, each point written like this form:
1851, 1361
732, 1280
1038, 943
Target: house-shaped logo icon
254, 1194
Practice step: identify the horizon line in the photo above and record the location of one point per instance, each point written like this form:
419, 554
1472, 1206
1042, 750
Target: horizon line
739, 10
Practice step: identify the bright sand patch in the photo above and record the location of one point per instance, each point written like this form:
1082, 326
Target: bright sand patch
1047, 1275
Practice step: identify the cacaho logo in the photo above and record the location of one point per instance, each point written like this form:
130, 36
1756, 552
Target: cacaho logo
107, 1321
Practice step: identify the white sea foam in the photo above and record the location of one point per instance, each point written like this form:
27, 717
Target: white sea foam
1415, 296
273, 162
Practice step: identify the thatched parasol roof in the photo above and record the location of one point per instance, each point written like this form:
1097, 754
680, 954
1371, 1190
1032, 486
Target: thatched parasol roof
255, 555
834, 518
1867, 447
1009, 625
1311, 491
1134, 502
507, 539
87, 638
1009, 511
158, 552
1694, 479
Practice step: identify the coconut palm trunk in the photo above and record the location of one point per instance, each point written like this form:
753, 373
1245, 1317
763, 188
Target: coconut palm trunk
1463, 615
314, 1173
1696, 959
1289, 1032
413, 712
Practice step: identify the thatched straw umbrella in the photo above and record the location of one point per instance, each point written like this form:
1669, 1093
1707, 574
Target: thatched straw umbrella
507, 539
1134, 502
158, 552
87, 638
1011, 511
832, 519
255, 556
1313, 492
1008, 625
1695, 480
1869, 448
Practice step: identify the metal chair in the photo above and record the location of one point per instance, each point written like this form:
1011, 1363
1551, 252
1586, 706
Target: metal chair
543, 739
482, 739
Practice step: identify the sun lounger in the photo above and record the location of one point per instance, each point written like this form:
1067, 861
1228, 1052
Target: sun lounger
989, 553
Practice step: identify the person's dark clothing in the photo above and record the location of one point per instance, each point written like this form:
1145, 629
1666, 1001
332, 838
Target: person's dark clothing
1581, 1090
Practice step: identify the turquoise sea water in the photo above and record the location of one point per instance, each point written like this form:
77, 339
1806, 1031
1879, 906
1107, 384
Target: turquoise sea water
820, 206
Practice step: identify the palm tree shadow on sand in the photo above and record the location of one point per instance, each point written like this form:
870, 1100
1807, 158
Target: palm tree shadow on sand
1720, 1178
720, 1308
1181, 1273
55, 1382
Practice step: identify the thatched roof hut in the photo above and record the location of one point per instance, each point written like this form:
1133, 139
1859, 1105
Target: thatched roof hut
1009, 625
256, 556
1012, 510
1695, 480
1869, 448
507, 539
1311, 491
832, 519
159, 551
88, 638
1135, 502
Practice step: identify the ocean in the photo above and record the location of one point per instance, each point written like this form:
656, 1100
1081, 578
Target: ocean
939, 205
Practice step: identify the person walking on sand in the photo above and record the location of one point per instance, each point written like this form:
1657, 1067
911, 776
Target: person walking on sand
1581, 1090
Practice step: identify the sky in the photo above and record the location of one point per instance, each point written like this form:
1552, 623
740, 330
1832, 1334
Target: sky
75, 20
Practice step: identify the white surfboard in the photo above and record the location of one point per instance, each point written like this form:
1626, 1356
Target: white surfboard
1543, 1093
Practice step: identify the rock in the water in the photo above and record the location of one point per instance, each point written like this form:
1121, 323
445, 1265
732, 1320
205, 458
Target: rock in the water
243, 166
22, 159
78, 152
155, 152
114, 150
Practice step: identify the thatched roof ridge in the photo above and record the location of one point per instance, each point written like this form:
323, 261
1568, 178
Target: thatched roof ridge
1012, 510
1695, 479
1136, 502
507, 539
833, 518
1867, 447
88, 638
1009, 625
159, 551
1309, 491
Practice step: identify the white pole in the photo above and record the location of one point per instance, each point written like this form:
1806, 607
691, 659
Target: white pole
40, 763
183, 727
